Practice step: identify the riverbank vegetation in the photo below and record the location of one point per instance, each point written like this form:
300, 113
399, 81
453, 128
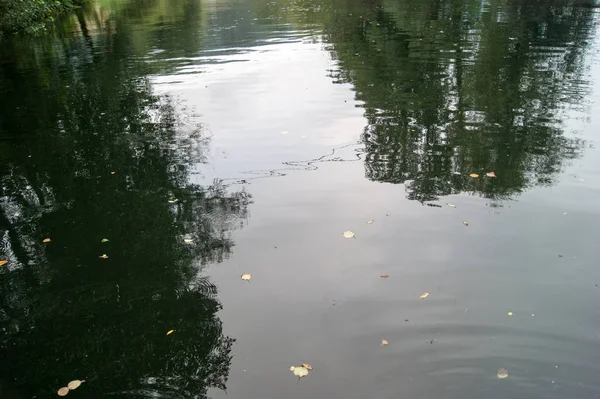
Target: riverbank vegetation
30, 16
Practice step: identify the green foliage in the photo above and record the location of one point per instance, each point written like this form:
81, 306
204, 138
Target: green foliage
29, 16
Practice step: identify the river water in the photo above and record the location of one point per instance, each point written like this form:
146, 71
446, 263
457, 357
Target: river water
152, 152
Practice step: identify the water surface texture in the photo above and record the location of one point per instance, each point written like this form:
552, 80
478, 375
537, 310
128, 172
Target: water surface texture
152, 152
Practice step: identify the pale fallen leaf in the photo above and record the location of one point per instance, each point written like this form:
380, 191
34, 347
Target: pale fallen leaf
475, 175
46, 240
370, 221
63, 391
385, 275
73, 385
502, 373
510, 313
103, 256
299, 371
170, 332
425, 295
348, 234
112, 173
466, 223
384, 342
246, 276
3, 262
173, 201
307, 366
105, 240
188, 240
451, 205
490, 174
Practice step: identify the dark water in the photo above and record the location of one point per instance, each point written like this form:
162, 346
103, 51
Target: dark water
206, 139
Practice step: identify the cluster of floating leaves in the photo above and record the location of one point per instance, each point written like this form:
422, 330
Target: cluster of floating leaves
71, 386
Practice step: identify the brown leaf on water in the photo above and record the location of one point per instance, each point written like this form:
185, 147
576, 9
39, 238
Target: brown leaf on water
502, 373
490, 174
384, 342
63, 391
385, 275
74, 384
170, 332
307, 366
46, 240
3, 262
103, 256
475, 175
425, 295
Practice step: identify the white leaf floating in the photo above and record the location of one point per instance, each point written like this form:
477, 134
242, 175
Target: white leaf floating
246, 277
299, 371
74, 384
348, 234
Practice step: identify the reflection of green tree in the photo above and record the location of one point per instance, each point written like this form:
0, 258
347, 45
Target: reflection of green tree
73, 116
451, 88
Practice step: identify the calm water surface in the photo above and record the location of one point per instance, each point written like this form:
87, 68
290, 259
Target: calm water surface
205, 139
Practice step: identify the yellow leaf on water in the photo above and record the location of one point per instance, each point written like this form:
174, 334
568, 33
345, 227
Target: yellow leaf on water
112, 173
74, 384
63, 391
170, 332
246, 276
173, 201
307, 366
3, 262
348, 234
451, 205
370, 221
425, 295
384, 342
103, 256
385, 275
46, 240
502, 373
475, 175
510, 313
188, 240
299, 371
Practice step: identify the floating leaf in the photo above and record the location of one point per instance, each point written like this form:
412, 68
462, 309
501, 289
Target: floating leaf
3, 262
490, 174
425, 295
475, 175
348, 234
112, 173
103, 256
173, 201
188, 240
385, 275
370, 221
510, 313
46, 240
105, 240
451, 205
246, 276
73, 385
466, 223
384, 342
170, 332
307, 366
63, 391
299, 371
502, 373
